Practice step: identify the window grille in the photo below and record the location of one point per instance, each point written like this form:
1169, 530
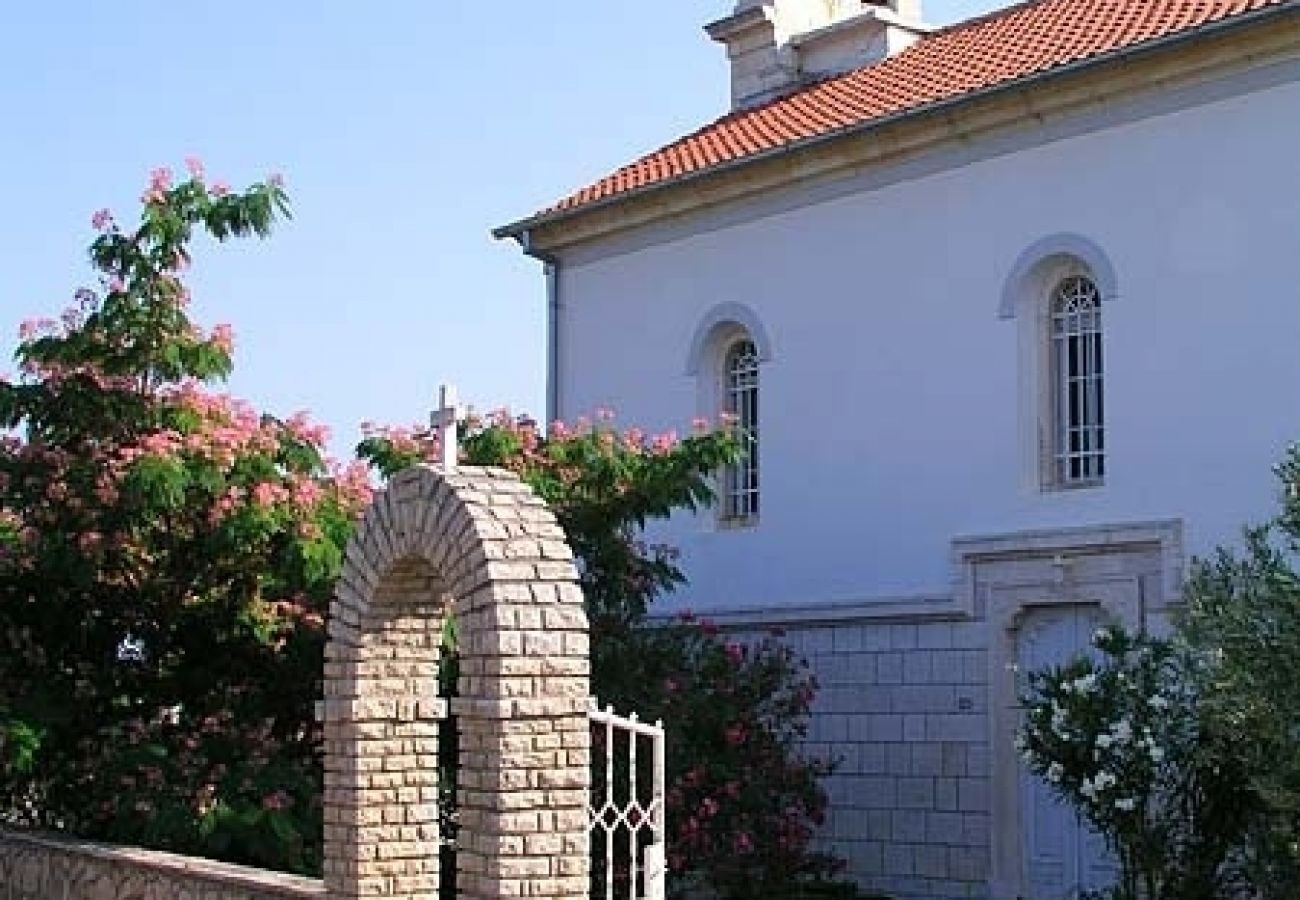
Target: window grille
1079, 410
740, 481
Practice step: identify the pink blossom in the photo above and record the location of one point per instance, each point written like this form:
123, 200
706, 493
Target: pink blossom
275, 179
219, 189
604, 414
160, 179
306, 494
102, 220
699, 423
301, 427
735, 652
195, 167
223, 338
665, 442
276, 800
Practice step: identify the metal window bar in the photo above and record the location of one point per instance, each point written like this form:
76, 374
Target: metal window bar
628, 830
740, 481
1080, 452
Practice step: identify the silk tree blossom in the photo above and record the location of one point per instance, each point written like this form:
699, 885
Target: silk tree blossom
131, 498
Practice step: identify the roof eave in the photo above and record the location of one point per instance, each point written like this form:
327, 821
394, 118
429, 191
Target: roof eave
556, 216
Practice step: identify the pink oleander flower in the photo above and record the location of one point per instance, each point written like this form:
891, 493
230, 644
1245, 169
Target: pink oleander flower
102, 220
735, 652
194, 166
699, 423
275, 179
276, 800
219, 189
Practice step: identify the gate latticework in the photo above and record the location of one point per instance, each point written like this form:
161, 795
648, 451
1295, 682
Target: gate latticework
627, 807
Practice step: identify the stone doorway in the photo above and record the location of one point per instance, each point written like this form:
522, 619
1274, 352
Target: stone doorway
1034, 589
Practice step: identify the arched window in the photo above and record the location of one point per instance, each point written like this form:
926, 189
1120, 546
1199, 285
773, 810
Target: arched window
1078, 395
740, 400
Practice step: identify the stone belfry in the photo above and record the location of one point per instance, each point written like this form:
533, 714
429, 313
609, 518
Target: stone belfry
776, 46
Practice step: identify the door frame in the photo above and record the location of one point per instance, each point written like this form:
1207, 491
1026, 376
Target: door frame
1131, 572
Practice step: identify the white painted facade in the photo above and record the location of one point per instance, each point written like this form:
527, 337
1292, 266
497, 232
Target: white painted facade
908, 540
893, 403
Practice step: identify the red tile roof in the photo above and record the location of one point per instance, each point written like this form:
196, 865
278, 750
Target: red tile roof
1002, 47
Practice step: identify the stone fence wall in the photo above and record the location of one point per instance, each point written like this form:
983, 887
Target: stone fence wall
41, 867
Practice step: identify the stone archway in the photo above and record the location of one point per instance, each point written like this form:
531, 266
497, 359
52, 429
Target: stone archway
479, 543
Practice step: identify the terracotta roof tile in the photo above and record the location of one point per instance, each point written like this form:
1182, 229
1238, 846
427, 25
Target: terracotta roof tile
1005, 46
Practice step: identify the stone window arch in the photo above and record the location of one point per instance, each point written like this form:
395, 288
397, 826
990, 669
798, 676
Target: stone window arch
1056, 293
479, 544
728, 351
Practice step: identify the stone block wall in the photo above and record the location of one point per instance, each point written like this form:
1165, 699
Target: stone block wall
904, 707
40, 867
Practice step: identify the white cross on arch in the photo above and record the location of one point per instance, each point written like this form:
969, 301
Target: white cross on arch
444, 426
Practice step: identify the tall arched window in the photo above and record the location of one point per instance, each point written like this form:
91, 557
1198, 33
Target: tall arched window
740, 400
1078, 404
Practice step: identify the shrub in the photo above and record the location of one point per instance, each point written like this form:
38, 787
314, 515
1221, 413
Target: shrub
1126, 740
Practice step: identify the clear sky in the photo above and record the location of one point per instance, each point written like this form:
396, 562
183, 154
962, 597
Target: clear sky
405, 129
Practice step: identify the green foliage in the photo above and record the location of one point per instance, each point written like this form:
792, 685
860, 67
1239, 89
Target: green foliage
1244, 609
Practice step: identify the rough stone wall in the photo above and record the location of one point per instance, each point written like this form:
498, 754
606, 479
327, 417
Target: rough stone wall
904, 706
39, 867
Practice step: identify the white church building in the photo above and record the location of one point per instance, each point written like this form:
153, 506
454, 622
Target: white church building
1011, 310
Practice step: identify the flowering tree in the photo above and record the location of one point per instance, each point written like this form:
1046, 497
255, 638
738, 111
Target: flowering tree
165, 557
1124, 739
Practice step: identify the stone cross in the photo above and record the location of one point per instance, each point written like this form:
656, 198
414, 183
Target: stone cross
444, 426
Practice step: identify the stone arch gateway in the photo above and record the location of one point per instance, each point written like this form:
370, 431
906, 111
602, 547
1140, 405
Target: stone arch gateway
476, 543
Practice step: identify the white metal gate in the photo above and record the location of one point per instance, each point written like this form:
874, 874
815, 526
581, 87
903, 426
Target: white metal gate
627, 808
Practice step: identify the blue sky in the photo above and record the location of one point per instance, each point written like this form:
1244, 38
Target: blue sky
405, 130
